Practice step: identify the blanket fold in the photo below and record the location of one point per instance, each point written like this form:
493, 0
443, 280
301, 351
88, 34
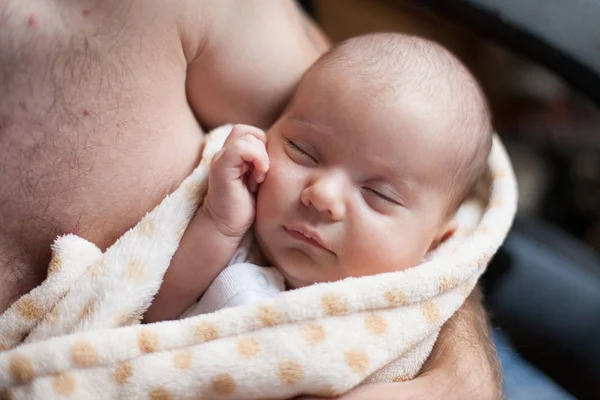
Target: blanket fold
78, 335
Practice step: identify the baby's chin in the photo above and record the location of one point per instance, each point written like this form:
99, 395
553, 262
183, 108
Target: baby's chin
291, 283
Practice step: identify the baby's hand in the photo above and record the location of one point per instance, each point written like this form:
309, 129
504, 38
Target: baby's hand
235, 173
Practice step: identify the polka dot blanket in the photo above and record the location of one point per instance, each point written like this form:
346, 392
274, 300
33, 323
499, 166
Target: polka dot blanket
78, 335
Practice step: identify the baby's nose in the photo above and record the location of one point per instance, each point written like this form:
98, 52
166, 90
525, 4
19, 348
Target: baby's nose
326, 196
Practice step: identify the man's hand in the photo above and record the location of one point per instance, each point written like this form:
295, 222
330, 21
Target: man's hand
235, 173
463, 365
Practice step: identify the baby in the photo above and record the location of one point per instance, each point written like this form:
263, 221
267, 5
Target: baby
383, 139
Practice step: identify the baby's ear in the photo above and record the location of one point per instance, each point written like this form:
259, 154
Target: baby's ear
445, 233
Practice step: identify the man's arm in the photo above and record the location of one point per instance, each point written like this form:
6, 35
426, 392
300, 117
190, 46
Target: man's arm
251, 60
464, 363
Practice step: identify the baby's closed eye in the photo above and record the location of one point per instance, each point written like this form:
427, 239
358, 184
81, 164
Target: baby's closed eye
381, 199
301, 149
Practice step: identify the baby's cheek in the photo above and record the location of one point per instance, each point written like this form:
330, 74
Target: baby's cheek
269, 199
386, 250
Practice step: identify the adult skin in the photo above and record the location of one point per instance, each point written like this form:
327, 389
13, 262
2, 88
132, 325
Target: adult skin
102, 112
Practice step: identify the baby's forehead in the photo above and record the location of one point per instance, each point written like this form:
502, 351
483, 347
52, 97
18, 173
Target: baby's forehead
396, 64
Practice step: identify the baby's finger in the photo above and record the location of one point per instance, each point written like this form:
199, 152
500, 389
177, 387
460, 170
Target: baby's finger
240, 130
246, 153
260, 163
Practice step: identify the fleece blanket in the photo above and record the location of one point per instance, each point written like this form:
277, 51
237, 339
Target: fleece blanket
78, 334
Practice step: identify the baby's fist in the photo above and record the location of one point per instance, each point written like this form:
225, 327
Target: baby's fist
235, 173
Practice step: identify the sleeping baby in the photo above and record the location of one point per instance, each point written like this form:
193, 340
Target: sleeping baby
383, 139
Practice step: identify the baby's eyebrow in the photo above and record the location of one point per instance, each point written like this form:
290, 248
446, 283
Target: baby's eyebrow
307, 124
389, 174
407, 189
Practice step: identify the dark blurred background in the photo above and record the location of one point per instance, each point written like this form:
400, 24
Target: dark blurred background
543, 289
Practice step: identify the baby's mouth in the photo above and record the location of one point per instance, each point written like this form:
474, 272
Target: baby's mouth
306, 235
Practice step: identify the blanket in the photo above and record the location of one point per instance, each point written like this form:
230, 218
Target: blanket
78, 334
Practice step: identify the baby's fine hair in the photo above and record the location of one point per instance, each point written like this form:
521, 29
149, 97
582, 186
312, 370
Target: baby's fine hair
393, 62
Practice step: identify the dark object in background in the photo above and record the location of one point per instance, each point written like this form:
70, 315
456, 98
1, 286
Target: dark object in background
543, 290
561, 35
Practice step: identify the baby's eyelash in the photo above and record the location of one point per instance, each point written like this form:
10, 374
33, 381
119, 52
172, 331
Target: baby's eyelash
383, 197
296, 148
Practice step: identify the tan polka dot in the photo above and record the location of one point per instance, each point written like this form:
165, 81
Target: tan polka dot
84, 354
400, 378
98, 268
55, 265
3, 348
326, 392
147, 341
482, 230
205, 331
357, 360
467, 288
183, 359
88, 309
126, 318
290, 372
51, 317
376, 324
482, 260
395, 297
431, 312
223, 384
64, 384
160, 393
334, 305
122, 373
192, 191
148, 226
28, 309
269, 316
313, 333
448, 282
21, 369
496, 203
498, 174
121, 318
248, 347
134, 270
467, 231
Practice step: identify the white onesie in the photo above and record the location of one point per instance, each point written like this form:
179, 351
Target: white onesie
241, 282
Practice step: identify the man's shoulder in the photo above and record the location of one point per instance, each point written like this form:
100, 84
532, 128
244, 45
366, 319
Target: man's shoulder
216, 26
250, 56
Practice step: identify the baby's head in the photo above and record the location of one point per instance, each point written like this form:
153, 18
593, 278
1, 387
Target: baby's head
382, 141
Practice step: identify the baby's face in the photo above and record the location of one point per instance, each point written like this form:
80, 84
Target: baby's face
355, 186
